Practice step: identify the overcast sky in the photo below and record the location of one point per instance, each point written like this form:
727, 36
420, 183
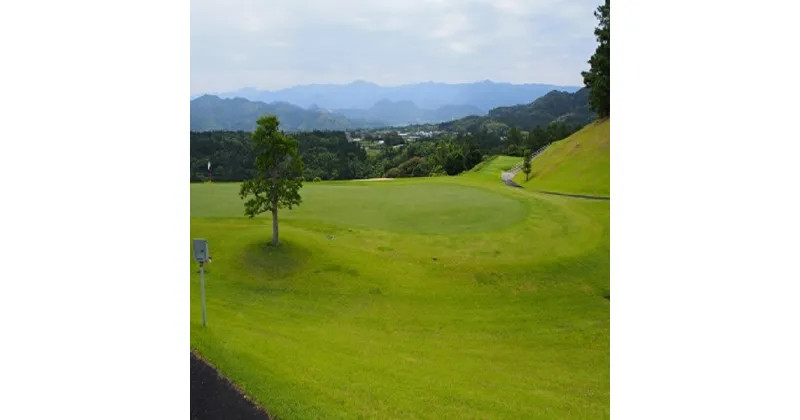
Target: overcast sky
273, 44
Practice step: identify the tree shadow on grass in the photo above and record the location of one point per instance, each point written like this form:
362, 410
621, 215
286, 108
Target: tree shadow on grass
268, 261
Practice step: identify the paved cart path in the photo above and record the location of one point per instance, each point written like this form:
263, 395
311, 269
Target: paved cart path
508, 178
214, 397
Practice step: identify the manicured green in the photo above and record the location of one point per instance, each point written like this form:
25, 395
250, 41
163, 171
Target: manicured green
392, 206
426, 298
579, 164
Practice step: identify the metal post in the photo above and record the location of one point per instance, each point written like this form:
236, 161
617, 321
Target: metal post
203, 291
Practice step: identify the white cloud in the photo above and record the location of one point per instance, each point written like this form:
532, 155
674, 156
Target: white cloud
450, 25
279, 43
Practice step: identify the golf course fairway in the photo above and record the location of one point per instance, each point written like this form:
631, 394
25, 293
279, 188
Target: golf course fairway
426, 298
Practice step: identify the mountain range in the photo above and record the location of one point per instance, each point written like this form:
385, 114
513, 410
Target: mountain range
556, 106
212, 113
209, 113
364, 95
390, 113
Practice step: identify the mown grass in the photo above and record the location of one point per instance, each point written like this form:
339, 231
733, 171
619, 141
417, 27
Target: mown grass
452, 297
496, 164
579, 164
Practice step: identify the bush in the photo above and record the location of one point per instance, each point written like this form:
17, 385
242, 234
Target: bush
472, 158
438, 171
317, 179
513, 150
422, 169
454, 164
393, 173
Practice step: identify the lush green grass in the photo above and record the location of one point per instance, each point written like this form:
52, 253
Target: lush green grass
451, 297
392, 206
496, 164
579, 164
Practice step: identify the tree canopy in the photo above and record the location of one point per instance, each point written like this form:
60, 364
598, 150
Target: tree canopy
598, 78
526, 163
279, 173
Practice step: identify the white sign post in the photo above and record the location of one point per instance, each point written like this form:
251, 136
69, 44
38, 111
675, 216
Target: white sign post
201, 256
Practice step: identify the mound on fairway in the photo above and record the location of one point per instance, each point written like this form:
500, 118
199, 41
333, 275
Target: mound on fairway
579, 164
448, 297
397, 206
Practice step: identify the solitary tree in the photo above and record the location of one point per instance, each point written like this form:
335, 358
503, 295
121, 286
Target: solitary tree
526, 164
279, 173
598, 78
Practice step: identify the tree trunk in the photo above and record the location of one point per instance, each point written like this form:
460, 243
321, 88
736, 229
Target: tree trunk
275, 225
275, 208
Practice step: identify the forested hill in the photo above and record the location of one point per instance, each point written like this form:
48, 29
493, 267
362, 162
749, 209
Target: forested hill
211, 113
554, 107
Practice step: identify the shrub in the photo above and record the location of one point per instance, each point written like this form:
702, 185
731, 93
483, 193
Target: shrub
472, 158
438, 171
393, 173
422, 169
513, 150
317, 179
454, 164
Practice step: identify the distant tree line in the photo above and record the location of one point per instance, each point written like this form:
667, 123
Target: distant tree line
520, 143
328, 155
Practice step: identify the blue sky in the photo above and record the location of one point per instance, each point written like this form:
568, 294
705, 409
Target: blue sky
272, 44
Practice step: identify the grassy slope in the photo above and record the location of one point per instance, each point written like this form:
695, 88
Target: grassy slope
400, 314
496, 164
579, 164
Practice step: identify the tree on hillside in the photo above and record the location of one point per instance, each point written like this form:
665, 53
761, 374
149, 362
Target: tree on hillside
279, 173
526, 163
393, 139
515, 136
472, 158
454, 162
598, 78
538, 138
512, 150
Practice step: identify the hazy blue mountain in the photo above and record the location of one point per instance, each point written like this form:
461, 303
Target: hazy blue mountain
428, 95
211, 113
407, 112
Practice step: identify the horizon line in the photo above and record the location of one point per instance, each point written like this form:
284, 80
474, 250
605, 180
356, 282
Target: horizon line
362, 81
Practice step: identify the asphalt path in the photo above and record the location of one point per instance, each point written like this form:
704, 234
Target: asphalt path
214, 397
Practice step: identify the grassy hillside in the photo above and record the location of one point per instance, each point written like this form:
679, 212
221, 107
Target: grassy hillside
579, 164
496, 164
450, 297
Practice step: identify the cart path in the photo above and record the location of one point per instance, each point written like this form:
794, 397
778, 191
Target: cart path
214, 397
508, 178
